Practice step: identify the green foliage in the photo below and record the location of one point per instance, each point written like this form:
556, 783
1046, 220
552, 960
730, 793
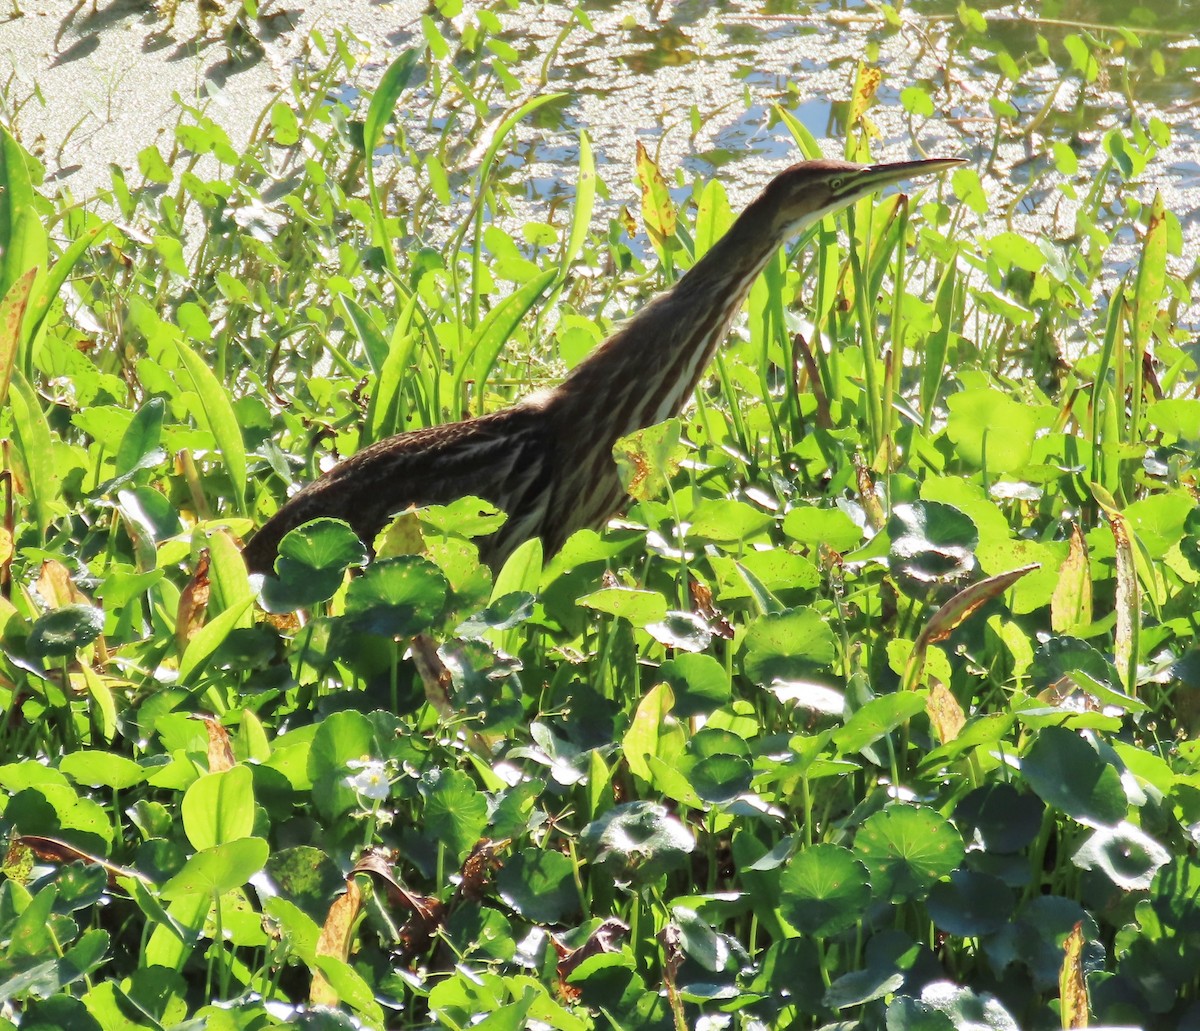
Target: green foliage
801, 739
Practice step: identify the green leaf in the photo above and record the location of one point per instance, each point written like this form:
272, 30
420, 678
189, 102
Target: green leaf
724, 519
35, 447
879, 717
823, 890
219, 808
907, 849
639, 607
1068, 773
455, 811
816, 526
217, 416
970, 904
60, 633
101, 769
396, 597
699, 683
539, 884
311, 564
787, 645
208, 639
931, 543
646, 460
1127, 855
990, 430
141, 443
20, 227
217, 870
581, 212
638, 841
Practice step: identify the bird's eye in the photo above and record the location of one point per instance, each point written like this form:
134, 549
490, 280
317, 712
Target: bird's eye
836, 184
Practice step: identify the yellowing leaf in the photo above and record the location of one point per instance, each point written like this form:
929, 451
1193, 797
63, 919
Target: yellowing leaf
1071, 603
658, 211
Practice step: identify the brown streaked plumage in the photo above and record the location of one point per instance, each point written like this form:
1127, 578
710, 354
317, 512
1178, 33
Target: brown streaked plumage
547, 460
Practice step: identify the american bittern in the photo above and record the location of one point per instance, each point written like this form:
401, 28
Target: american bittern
547, 460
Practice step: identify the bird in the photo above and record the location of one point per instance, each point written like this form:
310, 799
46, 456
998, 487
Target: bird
546, 460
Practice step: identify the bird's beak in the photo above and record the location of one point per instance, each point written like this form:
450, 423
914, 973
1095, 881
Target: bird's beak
875, 177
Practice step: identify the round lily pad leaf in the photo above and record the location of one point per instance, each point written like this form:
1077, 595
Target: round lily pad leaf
323, 544
991, 430
397, 597
699, 682
540, 885
970, 905
904, 1013
638, 841
932, 543
1068, 773
313, 559
1125, 853
966, 1009
480, 932
824, 890
720, 778
816, 526
683, 631
907, 849
787, 645
1001, 818
60, 633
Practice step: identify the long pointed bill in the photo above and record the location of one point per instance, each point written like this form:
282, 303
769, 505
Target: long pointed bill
874, 177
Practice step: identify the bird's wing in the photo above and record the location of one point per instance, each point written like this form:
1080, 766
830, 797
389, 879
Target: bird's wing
502, 458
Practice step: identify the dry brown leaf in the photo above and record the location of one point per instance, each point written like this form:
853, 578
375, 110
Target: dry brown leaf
945, 714
1072, 988
193, 604
220, 749
336, 935
1071, 603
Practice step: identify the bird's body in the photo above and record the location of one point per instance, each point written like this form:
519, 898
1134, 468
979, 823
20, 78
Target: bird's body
547, 460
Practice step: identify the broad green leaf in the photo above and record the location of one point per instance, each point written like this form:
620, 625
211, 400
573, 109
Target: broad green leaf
102, 769
1151, 275
1068, 773
396, 597
60, 633
828, 526
141, 444
824, 890
208, 639
219, 807
646, 460
217, 416
34, 445
1125, 854
907, 849
990, 430
12, 336
311, 564
639, 607
638, 841
931, 543
880, 716
539, 884
455, 811
787, 645
214, 871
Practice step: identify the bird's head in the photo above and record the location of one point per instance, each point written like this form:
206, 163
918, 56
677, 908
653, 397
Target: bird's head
810, 190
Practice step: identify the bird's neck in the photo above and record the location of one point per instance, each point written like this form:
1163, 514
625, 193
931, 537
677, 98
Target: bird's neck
647, 370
